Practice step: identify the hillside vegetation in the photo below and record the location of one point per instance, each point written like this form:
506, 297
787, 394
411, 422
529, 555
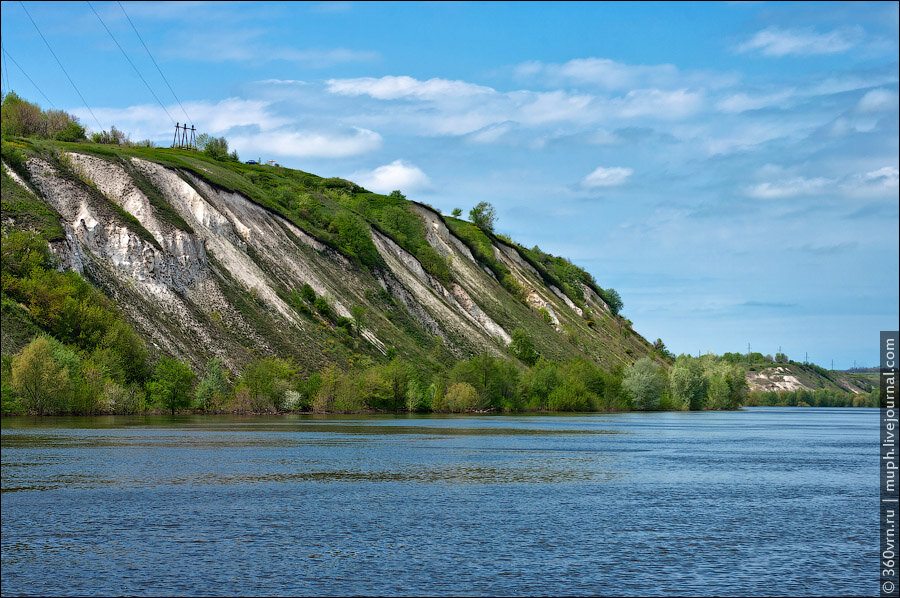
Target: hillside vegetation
251, 287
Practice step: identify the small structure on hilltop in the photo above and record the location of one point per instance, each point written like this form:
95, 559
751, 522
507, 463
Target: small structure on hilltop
182, 140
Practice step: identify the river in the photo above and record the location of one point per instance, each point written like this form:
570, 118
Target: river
762, 501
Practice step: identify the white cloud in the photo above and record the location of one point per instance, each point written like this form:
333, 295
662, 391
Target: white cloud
392, 88
554, 106
878, 183
250, 45
851, 82
664, 105
774, 41
250, 126
151, 121
795, 187
889, 176
438, 107
603, 136
742, 102
878, 100
399, 174
606, 177
309, 144
618, 76
234, 112
602, 72
318, 57
491, 134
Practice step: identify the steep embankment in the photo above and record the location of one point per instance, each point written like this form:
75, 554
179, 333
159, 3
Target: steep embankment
208, 259
792, 377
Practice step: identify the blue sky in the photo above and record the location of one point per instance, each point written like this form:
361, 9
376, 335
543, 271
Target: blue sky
731, 169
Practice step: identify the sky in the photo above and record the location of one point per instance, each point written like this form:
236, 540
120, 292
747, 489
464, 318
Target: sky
730, 168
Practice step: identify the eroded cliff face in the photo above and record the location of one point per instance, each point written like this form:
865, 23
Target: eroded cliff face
205, 272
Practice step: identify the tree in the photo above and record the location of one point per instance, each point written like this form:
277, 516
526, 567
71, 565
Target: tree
686, 383
213, 387
415, 396
359, 313
22, 118
308, 293
215, 147
267, 379
660, 347
644, 384
321, 305
171, 384
41, 381
456, 213
726, 383
460, 397
483, 216
523, 347
112, 137
397, 194
71, 132
613, 300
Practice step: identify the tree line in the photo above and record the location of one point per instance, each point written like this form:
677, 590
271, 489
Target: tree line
85, 358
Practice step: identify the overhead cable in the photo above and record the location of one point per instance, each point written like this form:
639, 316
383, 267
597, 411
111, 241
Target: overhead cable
5, 69
125, 54
154, 63
75, 87
5, 55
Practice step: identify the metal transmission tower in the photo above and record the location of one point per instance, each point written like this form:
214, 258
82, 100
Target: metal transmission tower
182, 140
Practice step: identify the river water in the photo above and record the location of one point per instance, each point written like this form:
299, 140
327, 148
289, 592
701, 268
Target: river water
763, 501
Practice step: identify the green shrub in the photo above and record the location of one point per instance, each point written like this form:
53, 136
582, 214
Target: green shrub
266, 380
460, 397
322, 306
171, 385
72, 132
484, 216
512, 285
308, 293
43, 383
522, 347
644, 383
213, 387
13, 155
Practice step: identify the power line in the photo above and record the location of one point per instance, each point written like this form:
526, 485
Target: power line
5, 68
5, 55
129, 60
46, 43
154, 63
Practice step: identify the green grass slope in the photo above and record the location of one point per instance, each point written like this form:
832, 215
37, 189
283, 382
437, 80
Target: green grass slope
455, 297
